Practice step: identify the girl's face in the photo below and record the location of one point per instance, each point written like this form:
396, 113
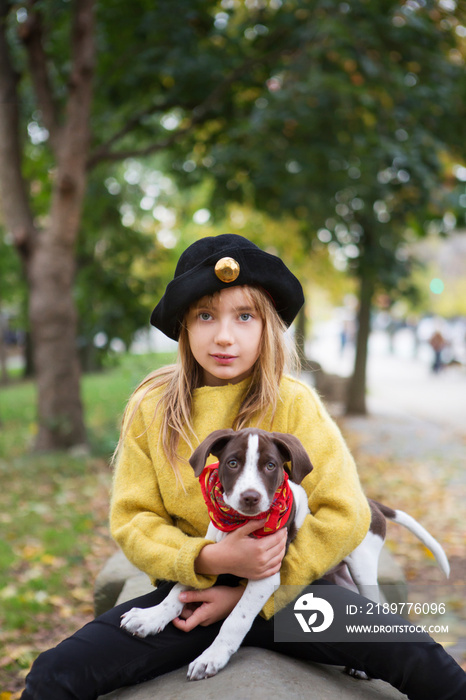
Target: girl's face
225, 334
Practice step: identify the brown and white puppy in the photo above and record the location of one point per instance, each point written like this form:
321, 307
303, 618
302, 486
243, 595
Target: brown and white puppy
251, 467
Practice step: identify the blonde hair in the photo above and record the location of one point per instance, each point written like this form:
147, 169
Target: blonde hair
179, 381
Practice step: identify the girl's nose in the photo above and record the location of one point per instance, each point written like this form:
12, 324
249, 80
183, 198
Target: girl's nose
224, 335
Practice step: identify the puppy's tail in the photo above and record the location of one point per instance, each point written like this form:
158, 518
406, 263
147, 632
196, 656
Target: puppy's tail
402, 518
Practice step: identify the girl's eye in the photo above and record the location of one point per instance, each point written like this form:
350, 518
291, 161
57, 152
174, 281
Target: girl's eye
270, 466
232, 463
205, 316
245, 317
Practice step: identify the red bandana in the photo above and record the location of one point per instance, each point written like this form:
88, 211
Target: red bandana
227, 519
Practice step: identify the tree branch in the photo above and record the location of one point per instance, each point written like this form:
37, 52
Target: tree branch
13, 192
115, 156
70, 183
104, 149
31, 34
77, 128
200, 113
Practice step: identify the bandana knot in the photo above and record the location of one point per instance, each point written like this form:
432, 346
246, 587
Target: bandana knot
227, 519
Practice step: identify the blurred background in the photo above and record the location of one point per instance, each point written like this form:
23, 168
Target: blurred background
329, 133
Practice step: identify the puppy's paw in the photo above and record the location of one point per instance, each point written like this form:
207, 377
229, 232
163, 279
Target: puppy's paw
141, 623
209, 663
361, 675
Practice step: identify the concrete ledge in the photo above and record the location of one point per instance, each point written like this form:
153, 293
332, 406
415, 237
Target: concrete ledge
255, 674
134, 587
118, 575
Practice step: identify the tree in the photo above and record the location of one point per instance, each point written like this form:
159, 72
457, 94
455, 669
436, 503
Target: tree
46, 253
347, 132
91, 86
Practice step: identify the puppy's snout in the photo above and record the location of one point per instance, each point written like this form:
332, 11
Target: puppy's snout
250, 498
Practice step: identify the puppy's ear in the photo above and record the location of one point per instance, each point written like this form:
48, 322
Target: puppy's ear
294, 452
213, 444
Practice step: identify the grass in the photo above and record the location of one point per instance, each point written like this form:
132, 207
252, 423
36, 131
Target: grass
53, 517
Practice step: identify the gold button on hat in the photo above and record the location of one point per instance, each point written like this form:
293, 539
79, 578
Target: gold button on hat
227, 270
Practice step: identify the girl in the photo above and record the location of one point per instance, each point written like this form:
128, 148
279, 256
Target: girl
228, 306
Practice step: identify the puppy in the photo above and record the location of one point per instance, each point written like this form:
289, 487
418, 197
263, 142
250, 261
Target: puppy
252, 477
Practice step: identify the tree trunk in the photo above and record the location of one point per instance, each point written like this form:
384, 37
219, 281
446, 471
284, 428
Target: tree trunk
52, 311
48, 255
356, 396
53, 322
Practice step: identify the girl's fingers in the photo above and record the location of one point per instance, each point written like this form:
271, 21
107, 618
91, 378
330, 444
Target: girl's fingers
272, 567
198, 596
198, 616
279, 539
273, 545
265, 542
246, 530
210, 605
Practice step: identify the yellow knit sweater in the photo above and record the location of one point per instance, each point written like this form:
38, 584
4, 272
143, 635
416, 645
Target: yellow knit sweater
161, 528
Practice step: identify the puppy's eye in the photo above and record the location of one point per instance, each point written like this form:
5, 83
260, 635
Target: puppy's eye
232, 463
270, 466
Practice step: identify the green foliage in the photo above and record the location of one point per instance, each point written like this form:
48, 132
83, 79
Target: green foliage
12, 284
153, 58
109, 288
346, 128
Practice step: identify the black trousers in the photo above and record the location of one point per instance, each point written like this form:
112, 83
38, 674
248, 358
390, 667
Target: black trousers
101, 657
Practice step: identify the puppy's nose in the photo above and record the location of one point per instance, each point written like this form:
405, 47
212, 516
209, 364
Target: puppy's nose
250, 498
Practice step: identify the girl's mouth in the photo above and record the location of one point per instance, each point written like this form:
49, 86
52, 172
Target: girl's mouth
224, 359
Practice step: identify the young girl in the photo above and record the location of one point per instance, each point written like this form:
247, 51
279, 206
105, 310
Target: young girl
228, 306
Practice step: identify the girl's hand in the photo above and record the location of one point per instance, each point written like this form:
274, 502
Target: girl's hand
207, 606
244, 556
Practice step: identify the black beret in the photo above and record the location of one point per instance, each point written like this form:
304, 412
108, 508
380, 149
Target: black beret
238, 262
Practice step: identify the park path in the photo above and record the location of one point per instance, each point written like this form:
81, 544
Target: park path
399, 383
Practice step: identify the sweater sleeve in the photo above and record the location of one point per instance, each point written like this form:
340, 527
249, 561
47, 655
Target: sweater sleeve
340, 514
139, 522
